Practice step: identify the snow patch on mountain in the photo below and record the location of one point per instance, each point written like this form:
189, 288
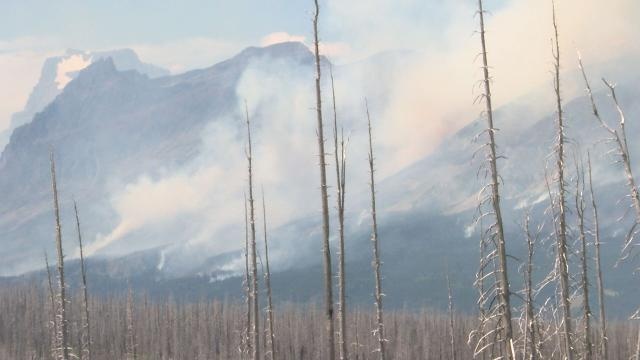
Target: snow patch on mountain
69, 65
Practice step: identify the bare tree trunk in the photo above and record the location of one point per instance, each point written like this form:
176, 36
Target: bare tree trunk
132, 351
599, 280
267, 280
626, 161
376, 251
339, 153
503, 291
254, 266
328, 280
561, 246
52, 323
452, 336
584, 281
530, 319
637, 354
85, 351
479, 333
619, 137
62, 333
246, 349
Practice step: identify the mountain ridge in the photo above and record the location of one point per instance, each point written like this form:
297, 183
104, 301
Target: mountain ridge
110, 124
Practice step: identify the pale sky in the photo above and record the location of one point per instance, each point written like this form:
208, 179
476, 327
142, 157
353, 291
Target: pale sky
187, 34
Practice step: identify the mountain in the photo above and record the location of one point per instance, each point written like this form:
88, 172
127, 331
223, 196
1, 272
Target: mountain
114, 129
58, 71
109, 127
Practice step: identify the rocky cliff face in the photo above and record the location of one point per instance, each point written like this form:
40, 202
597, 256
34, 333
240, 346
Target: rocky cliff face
58, 71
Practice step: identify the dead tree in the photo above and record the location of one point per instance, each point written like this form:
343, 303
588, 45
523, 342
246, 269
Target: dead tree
499, 314
267, 281
61, 331
52, 303
531, 340
340, 159
552, 308
255, 331
619, 138
452, 336
561, 238
636, 356
478, 335
379, 331
328, 280
245, 342
85, 351
132, 347
626, 160
599, 280
584, 279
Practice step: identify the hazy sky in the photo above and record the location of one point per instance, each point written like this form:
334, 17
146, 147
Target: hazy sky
187, 34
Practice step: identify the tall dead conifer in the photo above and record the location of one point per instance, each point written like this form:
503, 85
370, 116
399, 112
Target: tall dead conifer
587, 352
61, 331
375, 243
496, 320
255, 331
340, 162
271, 352
85, 351
603, 351
326, 249
561, 238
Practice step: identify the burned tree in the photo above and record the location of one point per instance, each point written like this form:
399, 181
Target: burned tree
600, 283
626, 160
531, 340
497, 315
61, 317
131, 344
326, 250
52, 303
85, 351
255, 330
452, 336
245, 343
562, 264
584, 278
375, 243
340, 159
267, 281
619, 138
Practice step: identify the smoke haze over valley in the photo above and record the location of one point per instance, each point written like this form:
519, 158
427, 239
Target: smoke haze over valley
145, 113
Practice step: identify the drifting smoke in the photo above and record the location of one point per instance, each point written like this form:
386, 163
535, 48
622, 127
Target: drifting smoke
432, 97
418, 98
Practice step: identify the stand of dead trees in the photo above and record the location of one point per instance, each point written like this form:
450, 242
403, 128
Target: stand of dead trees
56, 323
208, 329
548, 329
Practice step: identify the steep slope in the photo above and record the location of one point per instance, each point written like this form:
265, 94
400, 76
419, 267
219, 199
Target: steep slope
108, 127
58, 71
